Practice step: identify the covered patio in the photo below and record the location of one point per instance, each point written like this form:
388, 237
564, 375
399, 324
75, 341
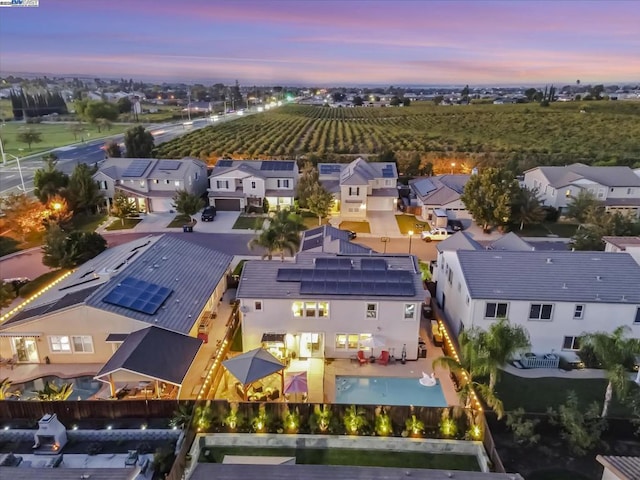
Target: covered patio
150, 363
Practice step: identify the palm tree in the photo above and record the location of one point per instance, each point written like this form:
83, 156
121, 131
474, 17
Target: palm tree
613, 351
527, 208
497, 346
5, 385
282, 234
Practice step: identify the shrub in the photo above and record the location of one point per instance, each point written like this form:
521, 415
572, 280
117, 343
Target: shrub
383, 425
354, 420
523, 429
321, 419
581, 430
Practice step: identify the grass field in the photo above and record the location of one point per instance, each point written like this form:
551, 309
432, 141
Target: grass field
524, 134
337, 456
53, 135
407, 223
248, 223
179, 221
358, 227
128, 224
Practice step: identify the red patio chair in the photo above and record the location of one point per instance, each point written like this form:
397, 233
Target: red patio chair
362, 359
384, 358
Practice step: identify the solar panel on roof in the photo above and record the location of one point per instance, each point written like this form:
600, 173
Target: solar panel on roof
373, 264
224, 163
338, 263
138, 295
136, 168
169, 164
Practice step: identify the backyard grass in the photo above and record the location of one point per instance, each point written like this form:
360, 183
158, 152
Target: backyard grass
358, 227
128, 224
337, 456
535, 395
245, 222
562, 230
88, 223
53, 135
40, 282
407, 223
178, 221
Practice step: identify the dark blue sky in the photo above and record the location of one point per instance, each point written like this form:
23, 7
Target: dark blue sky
327, 42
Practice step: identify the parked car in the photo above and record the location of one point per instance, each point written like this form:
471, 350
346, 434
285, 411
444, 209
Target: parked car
208, 214
435, 234
455, 225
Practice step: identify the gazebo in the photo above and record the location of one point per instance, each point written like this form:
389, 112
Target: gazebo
252, 366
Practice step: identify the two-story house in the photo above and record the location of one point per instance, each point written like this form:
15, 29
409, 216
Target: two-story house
361, 186
164, 282
556, 295
325, 305
236, 185
630, 245
618, 188
149, 182
439, 192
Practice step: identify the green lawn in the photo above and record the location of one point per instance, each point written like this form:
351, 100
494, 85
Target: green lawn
53, 135
311, 221
358, 227
88, 223
337, 456
563, 230
245, 222
408, 223
535, 395
128, 224
40, 282
179, 221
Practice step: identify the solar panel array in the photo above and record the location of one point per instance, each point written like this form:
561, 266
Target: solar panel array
224, 163
276, 165
357, 288
375, 264
387, 171
169, 164
138, 295
333, 263
328, 169
136, 168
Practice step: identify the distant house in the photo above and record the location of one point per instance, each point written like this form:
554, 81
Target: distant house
361, 186
149, 182
439, 192
630, 245
619, 468
237, 185
618, 188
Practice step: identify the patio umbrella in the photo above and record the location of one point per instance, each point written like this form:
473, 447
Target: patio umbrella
374, 341
296, 382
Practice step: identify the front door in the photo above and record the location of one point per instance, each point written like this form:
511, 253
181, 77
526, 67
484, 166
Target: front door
311, 345
26, 349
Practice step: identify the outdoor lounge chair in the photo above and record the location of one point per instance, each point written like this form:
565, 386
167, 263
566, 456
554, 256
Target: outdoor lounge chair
362, 359
384, 358
132, 458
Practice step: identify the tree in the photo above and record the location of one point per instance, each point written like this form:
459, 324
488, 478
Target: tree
581, 430
96, 110
49, 181
112, 149
23, 213
320, 202
308, 179
281, 235
596, 91
186, 203
357, 101
488, 196
465, 92
530, 93
406, 102
123, 207
527, 208
615, 352
7, 294
138, 143
103, 123
83, 189
437, 100
76, 129
63, 250
29, 136
395, 101
579, 206
124, 105
58, 212
600, 223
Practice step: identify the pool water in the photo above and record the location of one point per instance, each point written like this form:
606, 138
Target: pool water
83, 387
388, 391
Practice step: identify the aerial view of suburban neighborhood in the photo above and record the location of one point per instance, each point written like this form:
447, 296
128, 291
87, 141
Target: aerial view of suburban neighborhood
320, 239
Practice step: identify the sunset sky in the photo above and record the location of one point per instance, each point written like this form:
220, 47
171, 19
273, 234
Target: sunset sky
305, 42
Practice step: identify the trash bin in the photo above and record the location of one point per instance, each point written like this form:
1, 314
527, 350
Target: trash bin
187, 228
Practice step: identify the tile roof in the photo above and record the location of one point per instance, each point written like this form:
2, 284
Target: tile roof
154, 352
511, 242
259, 277
65, 473
624, 468
253, 167
622, 242
459, 241
115, 168
439, 190
559, 177
329, 239
551, 276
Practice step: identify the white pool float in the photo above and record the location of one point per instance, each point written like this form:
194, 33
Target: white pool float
428, 380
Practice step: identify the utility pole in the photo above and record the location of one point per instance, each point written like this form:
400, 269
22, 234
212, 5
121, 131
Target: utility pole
189, 104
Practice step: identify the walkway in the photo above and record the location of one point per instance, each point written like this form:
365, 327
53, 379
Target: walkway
577, 374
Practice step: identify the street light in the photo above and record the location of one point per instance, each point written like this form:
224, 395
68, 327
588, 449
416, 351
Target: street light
410, 236
453, 165
19, 171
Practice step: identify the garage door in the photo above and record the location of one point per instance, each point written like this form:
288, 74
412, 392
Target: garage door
228, 204
380, 204
160, 205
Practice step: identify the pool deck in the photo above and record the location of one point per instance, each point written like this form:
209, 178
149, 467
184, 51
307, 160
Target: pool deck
26, 372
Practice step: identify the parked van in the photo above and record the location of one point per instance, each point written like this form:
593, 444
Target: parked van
439, 218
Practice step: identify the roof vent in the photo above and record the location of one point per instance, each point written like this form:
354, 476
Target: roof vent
624, 298
165, 258
599, 278
549, 260
564, 286
598, 296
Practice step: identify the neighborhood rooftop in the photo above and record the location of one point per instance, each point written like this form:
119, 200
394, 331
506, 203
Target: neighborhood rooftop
330, 240
551, 275
152, 168
325, 276
609, 176
259, 168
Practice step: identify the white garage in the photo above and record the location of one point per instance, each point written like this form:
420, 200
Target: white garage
160, 204
384, 204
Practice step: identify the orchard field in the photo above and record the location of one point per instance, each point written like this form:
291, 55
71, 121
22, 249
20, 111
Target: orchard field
524, 135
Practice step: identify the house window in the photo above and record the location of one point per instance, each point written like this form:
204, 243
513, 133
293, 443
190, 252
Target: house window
467, 300
142, 183
222, 183
629, 191
102, 185
409, 311
637, 319
601, 192
540, 311
350, 341
283, 183
372, 310
450, 276
82, 344
578, 312
310, 309
495, 310
167, 181
353, 340
156, 181
341, 341
253, 185
354, 191
177, 183
195, 177
567, 193
60, 344
571, 343
257, 306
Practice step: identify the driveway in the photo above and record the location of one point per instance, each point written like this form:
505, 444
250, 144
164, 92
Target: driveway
223, 223
383, 224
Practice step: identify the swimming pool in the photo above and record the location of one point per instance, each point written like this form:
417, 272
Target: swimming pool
83, 387
388, 391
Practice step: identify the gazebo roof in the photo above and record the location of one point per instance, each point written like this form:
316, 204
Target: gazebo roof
253, 365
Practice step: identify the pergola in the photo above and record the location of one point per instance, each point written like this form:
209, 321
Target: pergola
252, 366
